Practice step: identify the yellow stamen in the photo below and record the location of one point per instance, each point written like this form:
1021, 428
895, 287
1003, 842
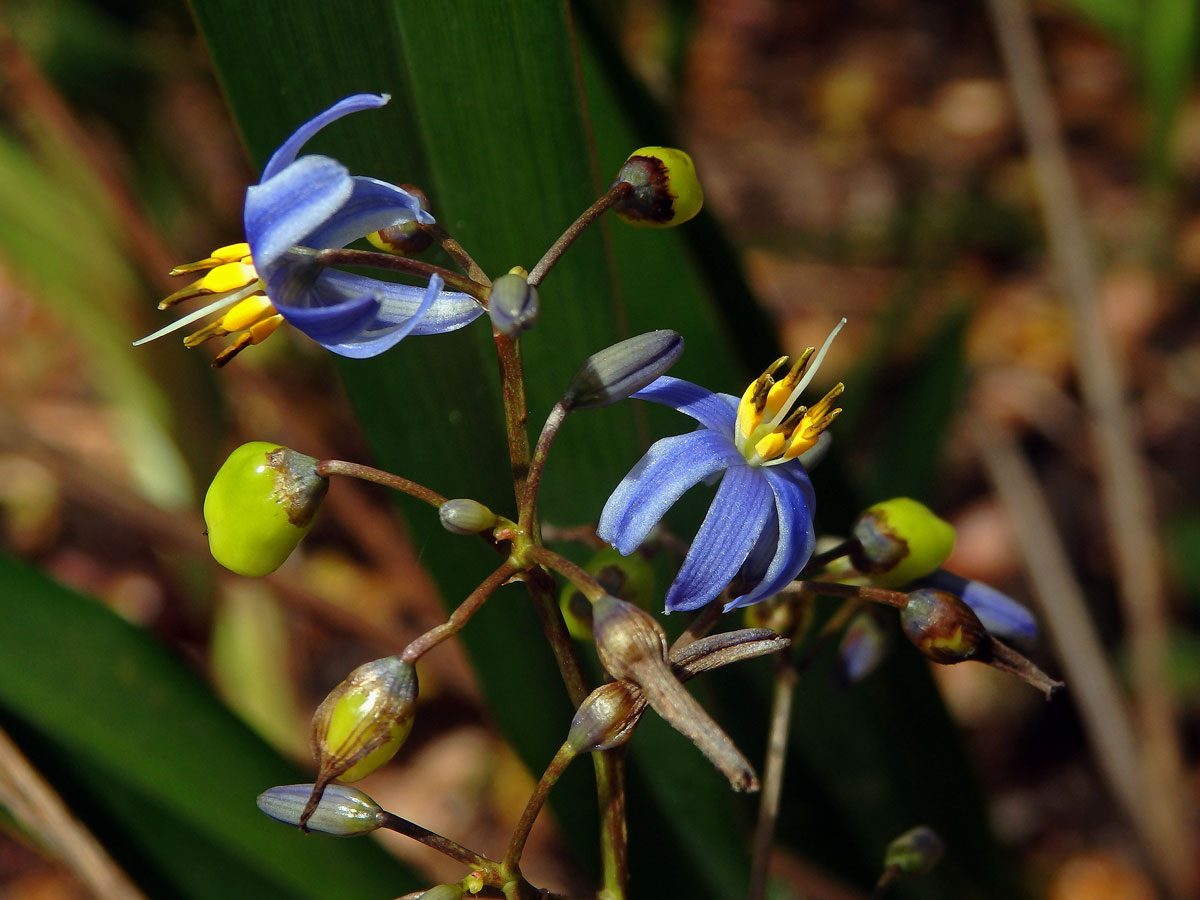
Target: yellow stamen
783, 388
248, 313
256, 334
228, 253
753, 402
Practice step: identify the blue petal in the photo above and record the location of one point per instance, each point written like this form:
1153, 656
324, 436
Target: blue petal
1000, 614
710, 410
734, 522
397, 303
794, 510
283, 211
669, 468
379, 335
290, 149
372, 205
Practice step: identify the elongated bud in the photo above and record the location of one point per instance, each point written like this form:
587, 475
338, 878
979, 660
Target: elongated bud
1000, 614
863, 648
408, 238
618, 371
365, 719
261, 502
666, 191
633, 646
513, 303
607, 717
914, 853
900, 540
466, 516
943, 627
343, 811
626, 577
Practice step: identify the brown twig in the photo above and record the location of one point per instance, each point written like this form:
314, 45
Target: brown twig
1124, 481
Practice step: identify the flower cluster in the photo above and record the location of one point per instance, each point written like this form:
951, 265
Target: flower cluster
755, 544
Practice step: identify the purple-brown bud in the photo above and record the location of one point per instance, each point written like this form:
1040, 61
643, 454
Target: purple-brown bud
943, 627
607, 717
616, 372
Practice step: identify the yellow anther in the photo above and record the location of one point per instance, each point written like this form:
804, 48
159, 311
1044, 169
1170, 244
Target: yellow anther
754, 400
771, 446
228, 277
248, 313
227, 254
208, 332
519, 270
260, 331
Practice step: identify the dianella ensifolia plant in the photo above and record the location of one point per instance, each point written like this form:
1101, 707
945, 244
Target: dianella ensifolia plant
757, 546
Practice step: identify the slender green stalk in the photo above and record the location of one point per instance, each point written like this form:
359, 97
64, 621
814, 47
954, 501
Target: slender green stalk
614, 836
393, 263
327, 467
452, 626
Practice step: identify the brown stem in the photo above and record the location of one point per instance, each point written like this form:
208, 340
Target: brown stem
516, 412
591, 588
895, 599
488, 868
327, 467
459, 255
452, 626
563, 758
393, 263
821, 560
768, 807
528, 502
576, 228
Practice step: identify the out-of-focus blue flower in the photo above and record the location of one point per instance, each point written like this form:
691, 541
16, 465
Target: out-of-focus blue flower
302, 204
1000, 614
760, 522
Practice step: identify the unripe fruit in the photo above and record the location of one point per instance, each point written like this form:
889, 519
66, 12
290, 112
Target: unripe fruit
261, 502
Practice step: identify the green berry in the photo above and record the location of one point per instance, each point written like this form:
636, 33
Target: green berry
261, 502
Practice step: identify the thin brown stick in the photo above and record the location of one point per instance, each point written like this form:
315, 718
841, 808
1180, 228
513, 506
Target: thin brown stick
37, 806
327, 467
576, 228
772, 790
1124, 480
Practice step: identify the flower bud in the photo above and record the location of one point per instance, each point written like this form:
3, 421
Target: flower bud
343, 811
513, 303
943, 627
863, 648
606, 718
665, 191
625, 577
628, 639
633, 646
618, 371
466, 517
899, 541
1000, 614
408, 238
914, 853
261, 502
365, 719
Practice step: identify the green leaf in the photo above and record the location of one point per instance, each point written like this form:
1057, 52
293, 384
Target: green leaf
145, 745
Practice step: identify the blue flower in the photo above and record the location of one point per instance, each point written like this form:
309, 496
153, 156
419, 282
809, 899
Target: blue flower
302, 204
999, 613
760, 522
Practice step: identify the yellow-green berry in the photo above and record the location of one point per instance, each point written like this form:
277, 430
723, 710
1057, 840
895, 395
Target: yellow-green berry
899, 541
666, 191
261, 502
915, 852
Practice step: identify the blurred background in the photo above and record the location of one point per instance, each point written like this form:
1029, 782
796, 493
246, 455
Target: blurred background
865, 159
